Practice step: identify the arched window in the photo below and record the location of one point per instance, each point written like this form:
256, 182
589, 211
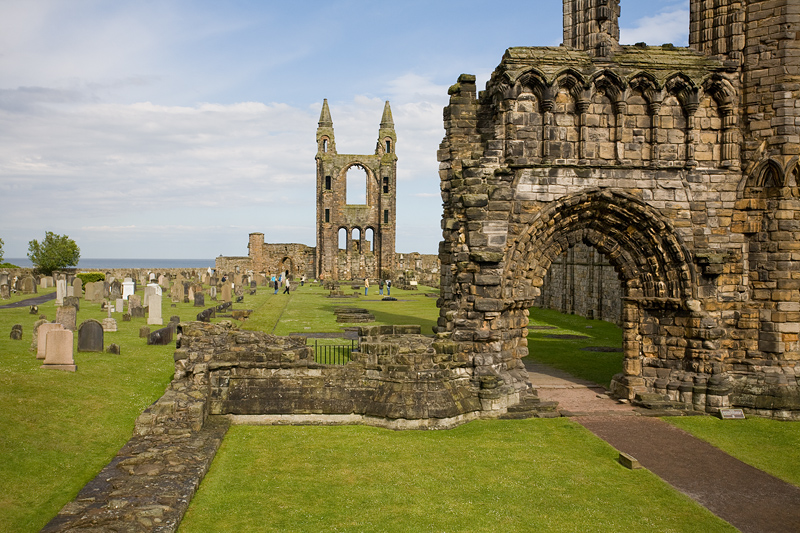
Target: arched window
388, 146
325, 145
369, 240
342, 239
356, 237
356, 185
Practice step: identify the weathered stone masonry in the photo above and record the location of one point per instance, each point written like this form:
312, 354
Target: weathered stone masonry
679, 165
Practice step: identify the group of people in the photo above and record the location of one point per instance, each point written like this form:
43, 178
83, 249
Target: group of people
380, 287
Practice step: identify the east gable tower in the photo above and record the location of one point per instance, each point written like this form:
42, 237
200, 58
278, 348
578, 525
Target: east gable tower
367, 230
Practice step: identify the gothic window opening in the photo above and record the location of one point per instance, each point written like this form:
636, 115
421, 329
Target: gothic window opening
385, 184
327, 215
356, 186
388, 146
385, 216
327, 183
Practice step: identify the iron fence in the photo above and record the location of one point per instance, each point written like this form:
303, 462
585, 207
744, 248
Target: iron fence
334, 354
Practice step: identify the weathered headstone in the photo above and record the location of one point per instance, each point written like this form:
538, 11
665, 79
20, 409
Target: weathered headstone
28, 285
109, 324
5, 291
161, 337
58, 350
16, 332
149, 291
61, 291
120, 305
135, 308
115, 290
41, 340
113, 348
199, 300
176, 292
212, 292
190, 295
126, 317
175, 319
35, 334
67, 316
46, 282
90, 336
3, 278
226, 292
154, 310
144, 331
72, 301
77, 287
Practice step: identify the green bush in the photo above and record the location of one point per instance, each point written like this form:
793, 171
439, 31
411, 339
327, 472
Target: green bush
91, 277
8, 265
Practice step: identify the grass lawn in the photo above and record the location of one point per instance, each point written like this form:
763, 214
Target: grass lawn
58, 429
569, 355
529, 475
769, 445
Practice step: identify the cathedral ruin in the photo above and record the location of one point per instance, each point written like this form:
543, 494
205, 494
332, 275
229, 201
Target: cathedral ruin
678, 165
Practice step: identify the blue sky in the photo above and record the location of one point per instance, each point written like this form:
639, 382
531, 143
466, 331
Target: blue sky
173, 129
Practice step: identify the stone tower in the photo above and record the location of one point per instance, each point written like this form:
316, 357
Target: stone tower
678, 165
367, 230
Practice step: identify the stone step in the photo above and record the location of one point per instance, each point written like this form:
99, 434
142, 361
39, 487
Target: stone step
531, 407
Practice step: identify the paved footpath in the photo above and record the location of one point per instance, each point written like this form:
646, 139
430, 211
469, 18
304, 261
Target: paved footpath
749, 499
36, 300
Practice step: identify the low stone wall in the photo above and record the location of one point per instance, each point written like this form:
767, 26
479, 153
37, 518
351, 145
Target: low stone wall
397, 374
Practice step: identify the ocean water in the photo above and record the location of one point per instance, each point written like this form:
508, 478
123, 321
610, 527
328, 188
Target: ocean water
101, 263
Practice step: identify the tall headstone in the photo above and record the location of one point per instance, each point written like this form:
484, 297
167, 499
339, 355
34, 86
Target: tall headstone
5, 291
135, 308
149, 291
212, 291
41, 337
58, 350
90, 336
154, 309
191, 294
226, 292
28, 285
120, 305
67, 316
3, 278
128, 288
176, 292
61, 291
199, 300
77, 287
115, 290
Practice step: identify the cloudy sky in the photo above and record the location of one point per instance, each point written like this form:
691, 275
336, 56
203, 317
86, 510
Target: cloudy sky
174, 128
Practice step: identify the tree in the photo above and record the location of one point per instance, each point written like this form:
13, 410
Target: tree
53, 253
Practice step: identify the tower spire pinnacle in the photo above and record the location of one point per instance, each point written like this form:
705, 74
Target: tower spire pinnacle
325, 120
386, 120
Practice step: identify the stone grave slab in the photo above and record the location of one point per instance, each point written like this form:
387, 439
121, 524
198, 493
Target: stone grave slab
58, 354
90, 336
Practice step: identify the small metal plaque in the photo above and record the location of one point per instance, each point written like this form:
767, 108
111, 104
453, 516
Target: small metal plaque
731, 414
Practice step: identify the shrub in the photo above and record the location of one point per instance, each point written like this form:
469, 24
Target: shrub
91, 277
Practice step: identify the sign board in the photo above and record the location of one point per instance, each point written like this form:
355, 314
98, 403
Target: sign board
731, 414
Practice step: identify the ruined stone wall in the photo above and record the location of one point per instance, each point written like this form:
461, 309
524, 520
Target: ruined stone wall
582, 282
397, 374
674, 164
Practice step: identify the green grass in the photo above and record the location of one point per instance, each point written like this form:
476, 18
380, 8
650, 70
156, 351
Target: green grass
530, 475
568, 354
58, 429
769, 445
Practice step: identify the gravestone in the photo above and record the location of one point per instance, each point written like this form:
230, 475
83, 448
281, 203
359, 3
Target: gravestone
46, 282
5, 291
213, 292
199, 300
113, 348
16, 332
226, 292
67, 316
126, 317
176, 292
77, 287
154, 309
190, 295
58, 350
72, 301
160, 337
90, 336
34, 310
149, 291
28, 285
175, 319
135, 308
253, 285
115, 290
109, 324
3, 278
35, 334
41, 339
144, 331
120, 305
61, 291
128, 288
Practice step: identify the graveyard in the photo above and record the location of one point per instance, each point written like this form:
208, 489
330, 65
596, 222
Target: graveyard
69, 425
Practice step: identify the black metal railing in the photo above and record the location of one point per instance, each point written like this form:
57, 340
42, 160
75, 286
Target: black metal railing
334, 354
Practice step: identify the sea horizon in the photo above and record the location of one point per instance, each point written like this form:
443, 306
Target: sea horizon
111, 263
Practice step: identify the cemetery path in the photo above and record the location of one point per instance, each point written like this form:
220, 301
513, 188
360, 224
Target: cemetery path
36, 300
748, 498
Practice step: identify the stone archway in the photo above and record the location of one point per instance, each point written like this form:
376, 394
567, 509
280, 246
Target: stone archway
649, 257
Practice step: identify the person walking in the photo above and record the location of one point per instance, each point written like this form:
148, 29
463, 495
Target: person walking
302, 281
366, 286
275, 284
286, 285
388, 287
380, 286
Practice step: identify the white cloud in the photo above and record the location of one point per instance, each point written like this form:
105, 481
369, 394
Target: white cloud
668, 26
